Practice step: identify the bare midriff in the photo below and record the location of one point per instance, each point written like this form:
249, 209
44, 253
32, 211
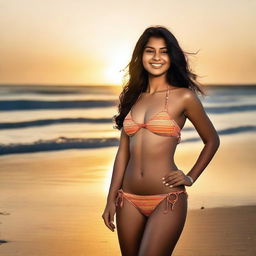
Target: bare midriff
151, 158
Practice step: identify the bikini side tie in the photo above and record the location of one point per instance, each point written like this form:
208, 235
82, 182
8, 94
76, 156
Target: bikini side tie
173, 201
119, 197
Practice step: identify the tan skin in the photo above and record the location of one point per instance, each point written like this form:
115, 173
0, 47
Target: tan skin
131, 171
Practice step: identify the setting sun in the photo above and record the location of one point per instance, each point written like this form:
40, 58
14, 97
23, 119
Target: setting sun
114, 71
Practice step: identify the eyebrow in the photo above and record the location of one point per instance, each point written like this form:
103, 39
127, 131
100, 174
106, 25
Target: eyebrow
154, 48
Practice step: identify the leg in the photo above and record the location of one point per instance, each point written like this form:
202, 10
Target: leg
162, 231
130, 224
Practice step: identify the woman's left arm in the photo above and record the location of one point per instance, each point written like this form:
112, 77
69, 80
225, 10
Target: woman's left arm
194, 111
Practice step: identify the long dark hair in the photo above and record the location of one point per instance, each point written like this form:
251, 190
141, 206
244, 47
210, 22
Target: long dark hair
179, 73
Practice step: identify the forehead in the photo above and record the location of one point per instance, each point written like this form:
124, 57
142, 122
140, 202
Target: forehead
156, 42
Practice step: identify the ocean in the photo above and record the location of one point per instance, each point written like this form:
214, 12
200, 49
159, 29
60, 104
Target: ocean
45, 118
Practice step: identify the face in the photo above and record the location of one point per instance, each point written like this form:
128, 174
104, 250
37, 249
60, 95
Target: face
155, 52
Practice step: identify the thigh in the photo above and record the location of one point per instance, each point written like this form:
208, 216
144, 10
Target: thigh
130, 224
162, 231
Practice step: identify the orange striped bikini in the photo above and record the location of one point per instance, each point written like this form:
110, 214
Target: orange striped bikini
161, 123
147, 203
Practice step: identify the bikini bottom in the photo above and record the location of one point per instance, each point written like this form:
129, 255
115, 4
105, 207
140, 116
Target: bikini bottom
147, 203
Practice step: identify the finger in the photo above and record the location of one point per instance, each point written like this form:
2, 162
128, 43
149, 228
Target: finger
180, 181
111, 223
171, 174
106, 220
171, 184
110, 220
177, 183
170, 179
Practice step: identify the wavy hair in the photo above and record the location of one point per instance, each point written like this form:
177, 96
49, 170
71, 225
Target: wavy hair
179, 74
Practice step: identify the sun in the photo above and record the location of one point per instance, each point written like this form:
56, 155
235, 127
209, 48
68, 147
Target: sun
114, 72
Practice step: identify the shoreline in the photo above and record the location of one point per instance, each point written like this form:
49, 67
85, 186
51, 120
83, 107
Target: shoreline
51, 203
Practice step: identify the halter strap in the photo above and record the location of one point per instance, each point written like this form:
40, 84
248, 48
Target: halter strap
166, 98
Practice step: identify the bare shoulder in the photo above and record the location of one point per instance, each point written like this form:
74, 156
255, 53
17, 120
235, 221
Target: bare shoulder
187, 95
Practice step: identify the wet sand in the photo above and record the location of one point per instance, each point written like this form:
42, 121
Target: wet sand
47, 203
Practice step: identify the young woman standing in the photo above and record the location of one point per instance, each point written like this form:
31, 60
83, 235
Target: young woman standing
147, 190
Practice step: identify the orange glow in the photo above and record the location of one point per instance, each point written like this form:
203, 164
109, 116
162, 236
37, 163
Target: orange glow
117, 59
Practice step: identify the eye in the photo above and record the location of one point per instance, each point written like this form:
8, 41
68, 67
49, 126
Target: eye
153, 51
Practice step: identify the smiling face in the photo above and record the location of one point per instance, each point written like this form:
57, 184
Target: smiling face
155, 57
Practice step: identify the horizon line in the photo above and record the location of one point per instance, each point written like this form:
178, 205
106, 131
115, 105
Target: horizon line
113, 85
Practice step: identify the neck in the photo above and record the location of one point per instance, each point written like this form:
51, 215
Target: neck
157, 84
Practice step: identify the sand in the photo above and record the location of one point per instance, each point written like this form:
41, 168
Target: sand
223, 231
51, 203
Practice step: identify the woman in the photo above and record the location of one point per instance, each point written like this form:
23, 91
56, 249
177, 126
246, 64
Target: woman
147, 190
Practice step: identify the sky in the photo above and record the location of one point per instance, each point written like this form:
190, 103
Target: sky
79, 42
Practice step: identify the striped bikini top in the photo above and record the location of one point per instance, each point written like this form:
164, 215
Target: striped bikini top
161, 123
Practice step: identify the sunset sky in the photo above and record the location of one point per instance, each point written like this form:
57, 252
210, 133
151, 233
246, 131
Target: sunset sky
88, 42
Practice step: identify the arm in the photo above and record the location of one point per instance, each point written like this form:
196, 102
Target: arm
195, 112
120, 163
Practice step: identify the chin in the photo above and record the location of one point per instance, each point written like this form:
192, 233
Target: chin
156, 72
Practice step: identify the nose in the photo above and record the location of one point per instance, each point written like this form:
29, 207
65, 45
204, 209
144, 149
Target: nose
156, 56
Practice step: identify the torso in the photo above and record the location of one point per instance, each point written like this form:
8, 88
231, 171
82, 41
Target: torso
152, 155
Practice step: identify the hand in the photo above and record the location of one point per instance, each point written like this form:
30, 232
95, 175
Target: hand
108, 215
176, 178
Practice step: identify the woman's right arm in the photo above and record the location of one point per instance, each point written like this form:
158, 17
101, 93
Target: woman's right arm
120, 163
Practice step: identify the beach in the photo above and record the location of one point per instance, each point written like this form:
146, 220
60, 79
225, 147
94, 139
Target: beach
51, 202
57, 150
72, 73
